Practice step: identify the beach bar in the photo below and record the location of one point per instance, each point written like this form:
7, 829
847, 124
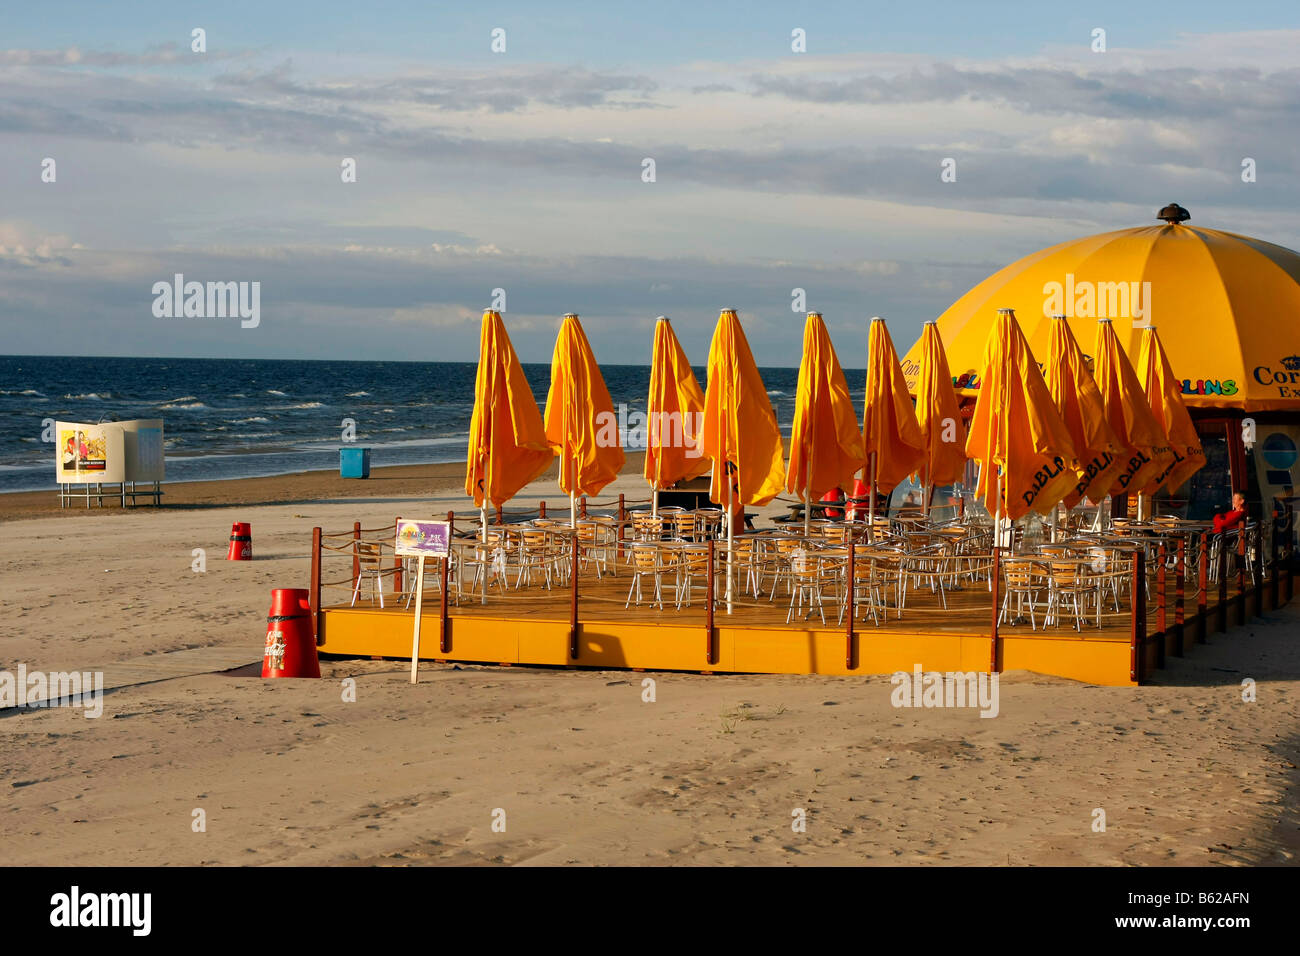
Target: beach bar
1101, 511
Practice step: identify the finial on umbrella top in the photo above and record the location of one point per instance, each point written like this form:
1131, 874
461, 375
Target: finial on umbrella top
1174, 213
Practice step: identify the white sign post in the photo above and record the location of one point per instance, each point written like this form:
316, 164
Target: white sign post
421, 539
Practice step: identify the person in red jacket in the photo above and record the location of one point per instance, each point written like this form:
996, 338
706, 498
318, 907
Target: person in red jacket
1233, 519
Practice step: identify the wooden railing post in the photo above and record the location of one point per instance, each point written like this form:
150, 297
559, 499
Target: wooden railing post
313, 593
1274, 592
1239, 599
356, 555
541, 509
848, 610
622, 517
1257, 576
708, 609
583, 511
1138, 616
399, 566
1160, 605
573, 601
444, 618
1221, 611
1180, 582
1202, 589
500, 517
995, 588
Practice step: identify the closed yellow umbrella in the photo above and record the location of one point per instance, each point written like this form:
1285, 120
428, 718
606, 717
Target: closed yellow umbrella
1079, 402
1165, 395
1145, 449
938, 415
891, 437
581, 423
825, 443
1024, 449
674, 415
507, 442
740, 434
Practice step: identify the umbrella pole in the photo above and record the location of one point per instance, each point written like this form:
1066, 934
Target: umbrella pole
871, 505
482, 520
654, 503
731, 536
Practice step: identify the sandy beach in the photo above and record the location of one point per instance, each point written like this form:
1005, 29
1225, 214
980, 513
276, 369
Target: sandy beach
713, 771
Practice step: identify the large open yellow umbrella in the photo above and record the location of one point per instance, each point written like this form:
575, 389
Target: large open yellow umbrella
825, 443
674, 414
740, 434
1024, 449
891, 437
507, 441
1081, 407
1165, 395
581, 423
1227, 305
938, 416
1145, 448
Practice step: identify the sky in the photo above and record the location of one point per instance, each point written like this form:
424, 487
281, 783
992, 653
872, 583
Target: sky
524, 170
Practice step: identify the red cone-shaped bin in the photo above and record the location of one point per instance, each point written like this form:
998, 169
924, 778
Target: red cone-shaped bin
290, 644
859, 500
241, 542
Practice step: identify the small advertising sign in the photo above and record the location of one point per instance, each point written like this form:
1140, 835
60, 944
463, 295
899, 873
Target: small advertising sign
423, 539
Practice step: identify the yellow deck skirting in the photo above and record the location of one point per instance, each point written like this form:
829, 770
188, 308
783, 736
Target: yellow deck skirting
481, 637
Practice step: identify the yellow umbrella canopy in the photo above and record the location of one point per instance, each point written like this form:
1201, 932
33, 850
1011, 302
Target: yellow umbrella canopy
739, 422
1229, 306
825, 444
1024, 449
674, 412
581, 424
507, 442
1080, 405
937, 413
1145, 448
889, 428
1165, 395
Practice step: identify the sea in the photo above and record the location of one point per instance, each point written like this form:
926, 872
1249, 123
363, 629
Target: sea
244, 418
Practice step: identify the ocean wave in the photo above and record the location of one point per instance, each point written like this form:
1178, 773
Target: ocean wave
272, 391
239, 395
173, 406
305, 405
254, 434
90, 397
23, 391
357, 394
250, 421
775, 391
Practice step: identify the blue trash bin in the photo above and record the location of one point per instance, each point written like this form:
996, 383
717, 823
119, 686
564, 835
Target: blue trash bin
354, 462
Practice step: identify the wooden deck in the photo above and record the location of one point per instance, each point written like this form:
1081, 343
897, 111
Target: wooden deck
536, 626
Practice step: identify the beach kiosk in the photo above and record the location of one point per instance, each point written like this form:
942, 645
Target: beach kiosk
126, 454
